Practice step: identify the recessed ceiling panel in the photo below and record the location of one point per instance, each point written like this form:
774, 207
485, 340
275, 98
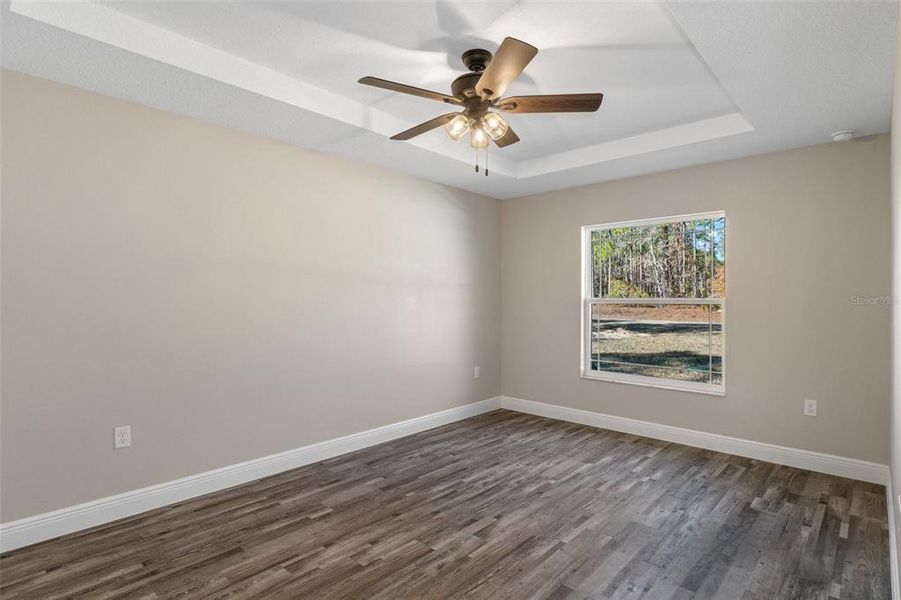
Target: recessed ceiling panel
634, 53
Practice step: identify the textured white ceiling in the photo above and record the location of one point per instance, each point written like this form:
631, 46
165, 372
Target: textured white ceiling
684, 82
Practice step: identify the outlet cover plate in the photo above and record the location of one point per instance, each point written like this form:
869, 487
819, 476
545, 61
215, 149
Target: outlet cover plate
122, 437
810, 407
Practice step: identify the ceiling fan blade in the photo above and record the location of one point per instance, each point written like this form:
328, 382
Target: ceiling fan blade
508, 138
423, 127
552, 103
407, 89
508, 62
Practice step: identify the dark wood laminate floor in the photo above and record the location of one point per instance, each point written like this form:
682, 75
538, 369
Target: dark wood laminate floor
504, 505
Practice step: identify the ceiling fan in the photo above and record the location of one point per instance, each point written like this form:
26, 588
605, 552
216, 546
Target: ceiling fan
481, 90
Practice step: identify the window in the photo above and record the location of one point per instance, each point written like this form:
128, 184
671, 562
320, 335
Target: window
654, 302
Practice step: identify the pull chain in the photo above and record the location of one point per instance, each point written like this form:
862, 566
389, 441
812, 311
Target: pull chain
486, 161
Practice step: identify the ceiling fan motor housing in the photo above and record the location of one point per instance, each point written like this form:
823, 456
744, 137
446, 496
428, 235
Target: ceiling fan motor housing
464, 86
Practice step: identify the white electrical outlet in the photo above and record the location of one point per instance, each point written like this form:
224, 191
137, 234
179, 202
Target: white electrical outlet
122, 437
476, 372
810, 407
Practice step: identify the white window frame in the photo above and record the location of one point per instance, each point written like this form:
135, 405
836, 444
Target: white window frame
588, 301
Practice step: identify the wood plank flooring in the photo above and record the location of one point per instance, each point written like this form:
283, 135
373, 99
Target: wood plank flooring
504, 505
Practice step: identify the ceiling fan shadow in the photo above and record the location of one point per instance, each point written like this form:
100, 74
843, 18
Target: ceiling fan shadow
460, 35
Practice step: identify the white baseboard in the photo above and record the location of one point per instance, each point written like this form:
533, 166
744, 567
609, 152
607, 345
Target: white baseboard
892, 539
792, 457
30, 530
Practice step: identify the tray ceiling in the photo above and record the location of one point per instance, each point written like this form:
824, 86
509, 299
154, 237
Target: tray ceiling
684, 83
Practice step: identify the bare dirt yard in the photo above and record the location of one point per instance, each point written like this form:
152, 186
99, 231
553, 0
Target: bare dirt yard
673, 349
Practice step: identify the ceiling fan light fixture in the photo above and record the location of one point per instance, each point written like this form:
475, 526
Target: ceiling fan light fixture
457, 127
494, 125
479, 138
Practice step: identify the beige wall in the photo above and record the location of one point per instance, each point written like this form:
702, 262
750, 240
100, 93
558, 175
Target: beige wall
807, 229
225, 295
896, 337
230, 297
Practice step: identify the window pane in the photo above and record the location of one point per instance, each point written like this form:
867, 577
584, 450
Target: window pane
680, 342
719, 258
682, 259
597, 254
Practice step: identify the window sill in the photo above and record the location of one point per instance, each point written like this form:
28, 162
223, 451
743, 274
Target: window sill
711, 391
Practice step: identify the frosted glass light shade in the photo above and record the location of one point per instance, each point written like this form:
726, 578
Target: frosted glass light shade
457, 127
479, 138
494, 125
